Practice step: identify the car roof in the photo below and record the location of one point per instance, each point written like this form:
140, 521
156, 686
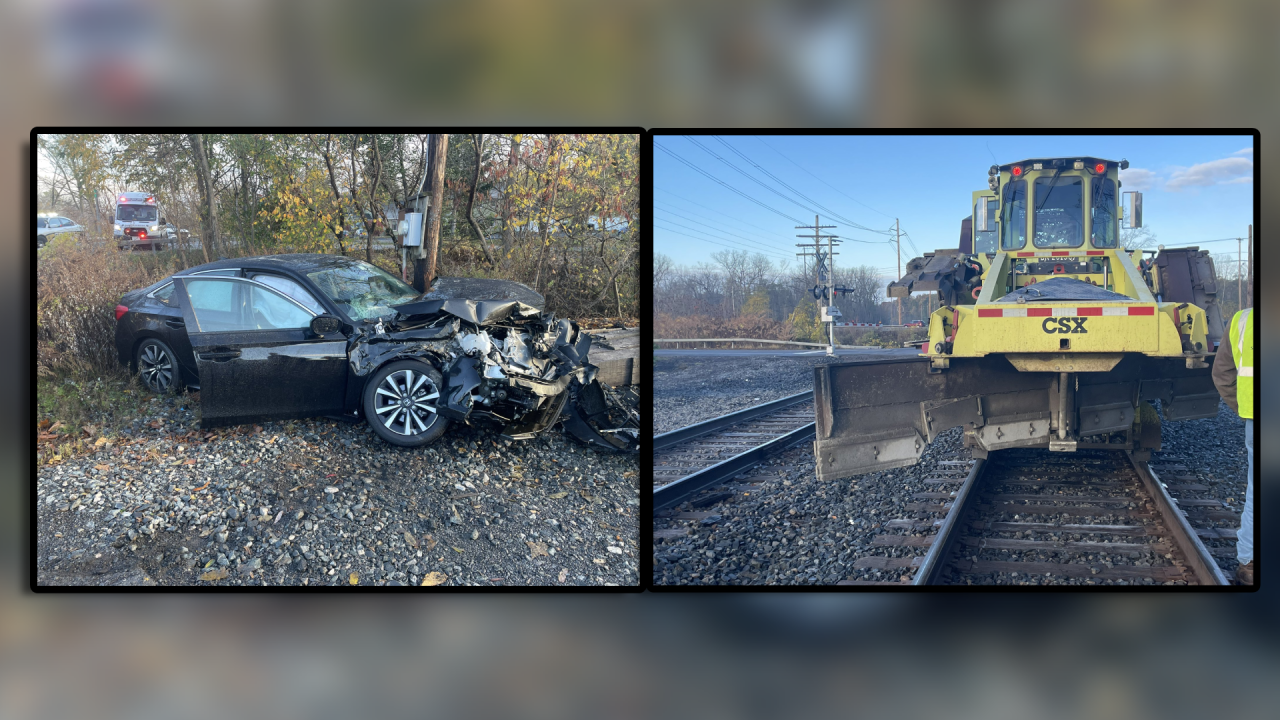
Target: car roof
298, 262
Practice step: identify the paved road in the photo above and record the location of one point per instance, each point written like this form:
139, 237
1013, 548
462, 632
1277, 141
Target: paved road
816, 352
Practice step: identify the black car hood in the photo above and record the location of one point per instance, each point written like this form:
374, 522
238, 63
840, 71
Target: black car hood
447, 288
503, 300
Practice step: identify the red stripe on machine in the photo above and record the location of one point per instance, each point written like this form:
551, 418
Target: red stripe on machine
1059, 254
990, 312
1089, 311
1026, 254
1039, 312
1142, 310
1094, 252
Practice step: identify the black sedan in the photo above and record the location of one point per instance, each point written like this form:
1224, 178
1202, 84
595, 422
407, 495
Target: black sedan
288, 336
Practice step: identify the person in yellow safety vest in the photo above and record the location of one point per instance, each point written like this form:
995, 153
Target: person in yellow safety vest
1233, 376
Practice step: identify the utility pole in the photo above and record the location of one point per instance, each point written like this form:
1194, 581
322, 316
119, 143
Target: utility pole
1250, 266
822, 266
424, 263
1239, 277
897, 230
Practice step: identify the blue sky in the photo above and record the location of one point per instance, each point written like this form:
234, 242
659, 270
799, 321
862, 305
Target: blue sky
1195, 188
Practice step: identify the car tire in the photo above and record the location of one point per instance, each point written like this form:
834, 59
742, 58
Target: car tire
407, 424
157, 366
41, 240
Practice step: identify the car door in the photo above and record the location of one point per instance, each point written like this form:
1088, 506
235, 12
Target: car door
256, 355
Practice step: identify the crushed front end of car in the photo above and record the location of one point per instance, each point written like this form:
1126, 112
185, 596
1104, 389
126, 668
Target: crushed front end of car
506, 364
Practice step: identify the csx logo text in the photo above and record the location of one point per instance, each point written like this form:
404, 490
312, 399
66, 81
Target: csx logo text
1063, 325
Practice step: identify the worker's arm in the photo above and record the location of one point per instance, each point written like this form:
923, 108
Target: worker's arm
1224, 375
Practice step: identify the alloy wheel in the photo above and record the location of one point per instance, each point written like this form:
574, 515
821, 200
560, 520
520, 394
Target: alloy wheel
156, 368
403, 402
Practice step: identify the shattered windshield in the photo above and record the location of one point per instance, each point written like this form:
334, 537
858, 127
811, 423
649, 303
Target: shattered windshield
136, 213
362, 290
1059, 212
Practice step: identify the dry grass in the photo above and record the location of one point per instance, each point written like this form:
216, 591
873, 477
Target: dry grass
702, 326
78, 284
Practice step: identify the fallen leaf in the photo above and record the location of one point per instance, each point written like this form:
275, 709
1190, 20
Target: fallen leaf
354, 579
189, 461
597, 561
56, 426
537, 549
218, 574
557, 496
196, 490
431, 543
563, 574
433, 578
457, 549
100, 442
44, 423
103, 468
409, 538
629, 474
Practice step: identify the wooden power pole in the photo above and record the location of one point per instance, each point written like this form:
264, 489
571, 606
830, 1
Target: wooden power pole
424, 265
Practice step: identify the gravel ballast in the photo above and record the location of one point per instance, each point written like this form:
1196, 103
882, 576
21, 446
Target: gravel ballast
325, 502
784, 527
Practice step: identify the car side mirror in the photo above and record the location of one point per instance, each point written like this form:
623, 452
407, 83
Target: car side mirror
325, 325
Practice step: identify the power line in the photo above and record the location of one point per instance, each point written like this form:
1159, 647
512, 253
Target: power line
724, 184
672, 222
713, 242
748, 176
824, 182
673, 211
757, 166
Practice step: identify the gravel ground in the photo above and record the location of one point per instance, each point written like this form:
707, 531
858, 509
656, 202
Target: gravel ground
325, 502
787, 528
690, 390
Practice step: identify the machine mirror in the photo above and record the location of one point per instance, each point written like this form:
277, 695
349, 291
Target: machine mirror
1132, 210
980, 213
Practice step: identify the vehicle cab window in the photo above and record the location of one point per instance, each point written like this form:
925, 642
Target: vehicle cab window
1013, 225
42, 222
1103, 213
165, 295
292, 288
1059, 218
222, 304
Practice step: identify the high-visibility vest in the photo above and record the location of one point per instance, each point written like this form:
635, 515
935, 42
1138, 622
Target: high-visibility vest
1241, 338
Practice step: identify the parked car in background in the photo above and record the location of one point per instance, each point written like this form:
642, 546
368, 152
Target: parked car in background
287, 336
49, 225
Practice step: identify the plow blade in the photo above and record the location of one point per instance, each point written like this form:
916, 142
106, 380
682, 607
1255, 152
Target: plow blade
875, 416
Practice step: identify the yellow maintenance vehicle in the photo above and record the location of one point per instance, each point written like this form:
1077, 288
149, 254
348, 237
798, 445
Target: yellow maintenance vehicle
1050, 334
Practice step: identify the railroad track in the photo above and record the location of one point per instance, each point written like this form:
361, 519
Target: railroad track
701, 456
1092, 516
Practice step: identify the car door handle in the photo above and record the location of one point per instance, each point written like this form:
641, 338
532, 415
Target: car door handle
175, 324
220, 355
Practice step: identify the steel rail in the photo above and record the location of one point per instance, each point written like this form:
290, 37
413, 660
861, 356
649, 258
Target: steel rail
684, 434
765, 342
935, 561
674, 493
1199, 559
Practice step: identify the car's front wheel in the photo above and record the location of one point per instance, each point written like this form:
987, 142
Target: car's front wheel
400, 403
40, 241
157, 366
